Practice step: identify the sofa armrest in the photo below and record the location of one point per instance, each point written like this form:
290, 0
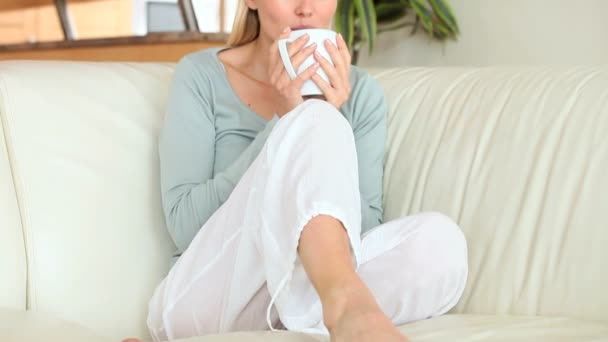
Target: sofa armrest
12, 246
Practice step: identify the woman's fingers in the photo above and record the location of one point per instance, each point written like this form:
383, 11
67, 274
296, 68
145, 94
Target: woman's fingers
324, 86
296, 61
335, 78
307, 74
302, 55
336, 57
336, 88
297, 44
292, 50
273, 54
343, 49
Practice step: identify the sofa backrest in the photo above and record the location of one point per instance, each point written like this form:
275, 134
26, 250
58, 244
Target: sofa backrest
13, 269
519, 158
84, 147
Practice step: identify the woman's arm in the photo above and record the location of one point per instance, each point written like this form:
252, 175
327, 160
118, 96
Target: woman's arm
370, 130
190, 191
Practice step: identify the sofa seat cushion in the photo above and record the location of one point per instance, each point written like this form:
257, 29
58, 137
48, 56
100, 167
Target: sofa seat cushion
497, 328
27, 326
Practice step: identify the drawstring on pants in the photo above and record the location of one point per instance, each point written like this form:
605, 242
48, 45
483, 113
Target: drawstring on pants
273, 298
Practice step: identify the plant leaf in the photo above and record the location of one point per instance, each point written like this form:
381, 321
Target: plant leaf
425, 15
444, 12
367, 20
441, 31
389, 12
395, 26
345, 21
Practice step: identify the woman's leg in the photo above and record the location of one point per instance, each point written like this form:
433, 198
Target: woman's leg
327, 198
244, 261
350, 311
415, 266
218, 284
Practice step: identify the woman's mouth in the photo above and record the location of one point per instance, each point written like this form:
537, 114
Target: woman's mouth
301, 27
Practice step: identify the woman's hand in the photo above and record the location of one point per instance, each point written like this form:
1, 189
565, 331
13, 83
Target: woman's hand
288, 89
337, 90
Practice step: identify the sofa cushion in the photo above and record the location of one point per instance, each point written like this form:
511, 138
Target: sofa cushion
36, 327
84, 143
518, 157
455, 328
28, 326
12, 245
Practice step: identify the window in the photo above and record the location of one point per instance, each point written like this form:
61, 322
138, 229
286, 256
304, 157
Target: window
165, 15
160, 16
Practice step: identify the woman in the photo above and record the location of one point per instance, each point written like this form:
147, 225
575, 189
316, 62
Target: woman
274, 201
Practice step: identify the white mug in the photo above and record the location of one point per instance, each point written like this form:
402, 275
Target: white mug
316, 36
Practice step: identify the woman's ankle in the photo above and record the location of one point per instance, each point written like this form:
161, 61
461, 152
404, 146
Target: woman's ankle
353, 298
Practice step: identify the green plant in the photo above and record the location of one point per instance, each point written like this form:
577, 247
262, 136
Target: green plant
361, 21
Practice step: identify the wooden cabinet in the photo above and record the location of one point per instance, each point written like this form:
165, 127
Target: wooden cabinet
102, 19
40, 23
8, 5
29, 25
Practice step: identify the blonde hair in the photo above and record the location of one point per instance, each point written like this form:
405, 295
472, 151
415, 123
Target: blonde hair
246, 27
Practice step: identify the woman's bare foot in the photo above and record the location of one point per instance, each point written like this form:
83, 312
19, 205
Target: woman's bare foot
356, 317
132, 340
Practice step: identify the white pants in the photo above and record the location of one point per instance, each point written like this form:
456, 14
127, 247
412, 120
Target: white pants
242, 272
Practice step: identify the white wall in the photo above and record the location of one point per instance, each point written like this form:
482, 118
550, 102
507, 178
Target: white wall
506, 32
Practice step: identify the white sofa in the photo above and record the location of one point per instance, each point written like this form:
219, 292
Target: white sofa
517, 156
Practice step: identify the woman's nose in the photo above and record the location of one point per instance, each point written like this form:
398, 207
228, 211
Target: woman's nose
304, 9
